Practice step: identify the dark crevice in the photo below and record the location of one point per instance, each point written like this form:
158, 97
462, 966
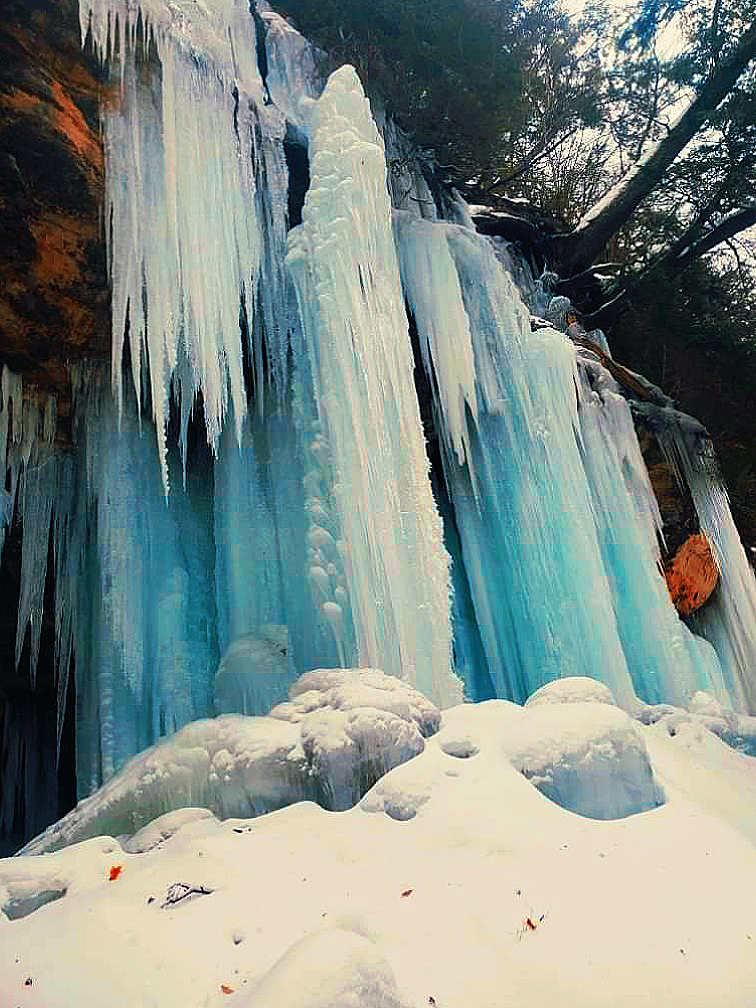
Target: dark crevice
235, 93
425, 384
260, 50
298, 164
41, 792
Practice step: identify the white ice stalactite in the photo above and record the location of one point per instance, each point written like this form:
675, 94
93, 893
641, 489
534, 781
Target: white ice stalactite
428, 268
344, 265
191, 234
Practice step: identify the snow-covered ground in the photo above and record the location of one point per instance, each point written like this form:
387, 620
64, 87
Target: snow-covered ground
454, 882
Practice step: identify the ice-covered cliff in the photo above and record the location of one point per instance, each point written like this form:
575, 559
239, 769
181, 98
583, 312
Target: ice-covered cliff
330, 434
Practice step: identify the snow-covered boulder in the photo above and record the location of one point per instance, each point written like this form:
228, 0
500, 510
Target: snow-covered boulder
342, 730
348, 751
589, 758
572, 689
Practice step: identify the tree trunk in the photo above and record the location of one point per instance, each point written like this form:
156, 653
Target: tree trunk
575, 252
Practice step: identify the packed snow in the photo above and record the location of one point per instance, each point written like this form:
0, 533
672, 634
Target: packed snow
454, 882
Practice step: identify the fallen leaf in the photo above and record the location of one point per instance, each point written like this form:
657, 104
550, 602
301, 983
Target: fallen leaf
226, 989
407, 892
115, 871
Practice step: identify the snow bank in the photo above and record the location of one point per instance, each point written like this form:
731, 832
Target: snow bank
490, 895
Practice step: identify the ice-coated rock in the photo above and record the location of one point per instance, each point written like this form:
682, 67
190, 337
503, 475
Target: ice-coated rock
590, 758
254, 674
231, 765
349, 751
572, 689
341, 731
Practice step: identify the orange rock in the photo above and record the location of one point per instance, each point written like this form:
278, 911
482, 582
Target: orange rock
692, 574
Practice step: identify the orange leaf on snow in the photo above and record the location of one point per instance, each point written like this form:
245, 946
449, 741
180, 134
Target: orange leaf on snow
226, 989
115, 871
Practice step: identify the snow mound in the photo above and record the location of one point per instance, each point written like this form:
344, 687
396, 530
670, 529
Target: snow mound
737, 730
704, 703
572, 689
342, 730
589, 758
328, 969
156, 833
29, 883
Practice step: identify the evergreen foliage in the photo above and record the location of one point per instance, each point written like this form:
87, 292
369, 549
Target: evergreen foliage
490, 86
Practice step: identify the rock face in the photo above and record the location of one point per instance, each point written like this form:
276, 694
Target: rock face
53, 282
691, 574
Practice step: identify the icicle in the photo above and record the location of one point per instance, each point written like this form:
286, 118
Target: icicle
344, 266
435, 300
38, 485
181, 187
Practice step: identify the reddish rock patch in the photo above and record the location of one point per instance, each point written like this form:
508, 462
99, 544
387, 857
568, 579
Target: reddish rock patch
692, 574
54, 298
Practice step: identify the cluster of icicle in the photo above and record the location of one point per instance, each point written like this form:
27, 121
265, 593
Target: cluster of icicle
196, 200
313, 512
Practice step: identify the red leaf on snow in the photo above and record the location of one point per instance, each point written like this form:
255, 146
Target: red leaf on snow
115, 871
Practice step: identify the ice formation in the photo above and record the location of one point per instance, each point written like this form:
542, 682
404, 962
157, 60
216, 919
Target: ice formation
343, 262
335, 444
342, 730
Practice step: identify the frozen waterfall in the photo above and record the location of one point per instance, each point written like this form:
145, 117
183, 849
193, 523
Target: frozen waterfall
250, 493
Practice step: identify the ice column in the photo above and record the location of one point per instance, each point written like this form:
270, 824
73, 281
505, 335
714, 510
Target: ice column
664, 659
344, 265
